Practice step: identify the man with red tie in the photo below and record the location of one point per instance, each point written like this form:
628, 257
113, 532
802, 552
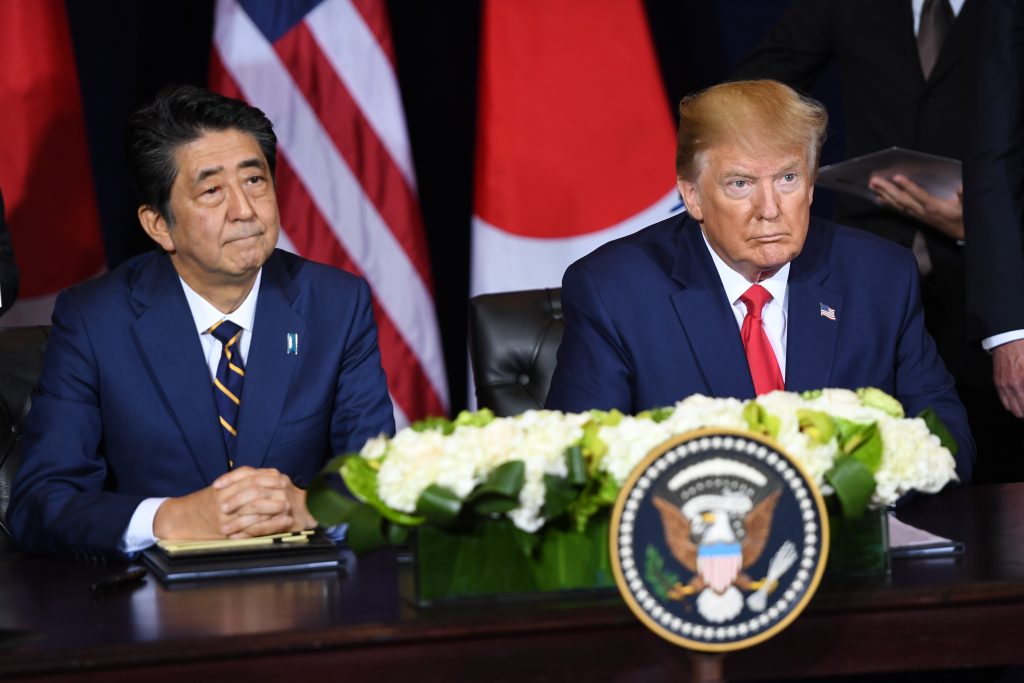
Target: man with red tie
746, 293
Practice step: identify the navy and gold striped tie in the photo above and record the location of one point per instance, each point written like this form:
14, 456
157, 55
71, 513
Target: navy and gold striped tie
227, 384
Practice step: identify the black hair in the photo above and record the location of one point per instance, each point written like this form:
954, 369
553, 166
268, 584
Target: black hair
181, 114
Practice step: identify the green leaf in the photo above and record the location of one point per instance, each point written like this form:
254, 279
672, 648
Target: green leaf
576, 466
591, 443
937, 427
606, 418
862, 441
480, 418
439, 505
526, 542
819, 426
876, 398
365, 529
360, 477
440, 424
600, 492
327, 505
853, 484
500, 491
760, 420
559, 493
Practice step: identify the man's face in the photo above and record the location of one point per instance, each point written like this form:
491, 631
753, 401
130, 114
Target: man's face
754, 208
224, 211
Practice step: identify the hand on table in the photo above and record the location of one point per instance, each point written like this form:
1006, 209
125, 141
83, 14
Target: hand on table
1008, 373
905, 196
242, 503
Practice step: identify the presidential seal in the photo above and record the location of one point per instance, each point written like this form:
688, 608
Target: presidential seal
718, 540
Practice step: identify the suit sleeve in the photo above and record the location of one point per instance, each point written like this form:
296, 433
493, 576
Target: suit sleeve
921, 378
8, 269
593, 369
796, 49
362, 406
994, 174
58, 504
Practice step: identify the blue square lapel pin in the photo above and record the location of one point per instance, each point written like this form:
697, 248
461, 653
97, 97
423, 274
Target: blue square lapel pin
293, 343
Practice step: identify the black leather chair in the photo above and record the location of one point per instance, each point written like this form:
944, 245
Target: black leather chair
513, 338
21, 361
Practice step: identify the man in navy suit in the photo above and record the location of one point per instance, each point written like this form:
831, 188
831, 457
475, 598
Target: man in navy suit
657, 316
147, 425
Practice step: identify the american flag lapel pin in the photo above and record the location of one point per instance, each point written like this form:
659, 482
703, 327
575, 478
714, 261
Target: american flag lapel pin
827, 311
293, 343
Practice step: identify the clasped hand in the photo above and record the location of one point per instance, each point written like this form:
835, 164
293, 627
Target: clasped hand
244, 502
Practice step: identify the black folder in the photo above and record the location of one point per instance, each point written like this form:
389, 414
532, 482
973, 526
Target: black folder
176, 562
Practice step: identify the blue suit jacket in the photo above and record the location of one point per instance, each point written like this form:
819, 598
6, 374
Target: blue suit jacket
648, 323
125, 408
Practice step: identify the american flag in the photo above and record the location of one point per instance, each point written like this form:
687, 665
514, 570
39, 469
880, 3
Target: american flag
324, 72
827, 311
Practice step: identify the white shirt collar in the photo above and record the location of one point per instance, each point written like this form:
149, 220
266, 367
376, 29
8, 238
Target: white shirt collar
735, 284
206, 314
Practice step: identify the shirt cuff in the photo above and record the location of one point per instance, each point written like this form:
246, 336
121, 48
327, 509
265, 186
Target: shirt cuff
995, 340
139, 534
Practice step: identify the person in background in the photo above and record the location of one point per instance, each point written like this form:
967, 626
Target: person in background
904, 74
993, 201
745, 293
192, 391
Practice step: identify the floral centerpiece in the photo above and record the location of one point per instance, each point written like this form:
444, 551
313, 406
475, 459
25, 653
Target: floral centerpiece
537, 481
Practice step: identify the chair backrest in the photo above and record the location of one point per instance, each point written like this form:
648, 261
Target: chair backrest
21, 361
513, 339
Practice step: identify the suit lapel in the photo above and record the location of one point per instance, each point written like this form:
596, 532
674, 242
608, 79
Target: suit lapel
269, 366
811, 337
707, 319
168, 344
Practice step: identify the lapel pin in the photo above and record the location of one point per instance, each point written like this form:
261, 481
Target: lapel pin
293, 342
827, 311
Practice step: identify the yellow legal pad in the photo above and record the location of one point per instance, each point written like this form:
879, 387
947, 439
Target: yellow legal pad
186, 547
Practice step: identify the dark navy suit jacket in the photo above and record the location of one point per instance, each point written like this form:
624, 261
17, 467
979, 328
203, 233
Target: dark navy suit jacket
125, 408
648, 323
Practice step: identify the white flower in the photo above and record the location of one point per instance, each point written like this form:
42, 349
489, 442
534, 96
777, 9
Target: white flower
375, 448
628, 442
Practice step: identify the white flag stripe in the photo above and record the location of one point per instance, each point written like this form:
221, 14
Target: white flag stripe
331, 185
367, 73
504, 262
401, 419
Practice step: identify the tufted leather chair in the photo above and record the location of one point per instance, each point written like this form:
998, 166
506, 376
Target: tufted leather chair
21, 361
513, 338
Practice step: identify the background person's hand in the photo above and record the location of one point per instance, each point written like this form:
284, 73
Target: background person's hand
1008, 373
905, 196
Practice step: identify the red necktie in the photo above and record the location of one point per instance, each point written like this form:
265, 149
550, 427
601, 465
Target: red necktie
764, 368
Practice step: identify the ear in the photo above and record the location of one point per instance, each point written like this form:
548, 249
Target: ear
156, 227
691, 198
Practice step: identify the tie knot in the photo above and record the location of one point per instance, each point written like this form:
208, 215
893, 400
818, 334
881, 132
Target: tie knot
754, 299
225, 331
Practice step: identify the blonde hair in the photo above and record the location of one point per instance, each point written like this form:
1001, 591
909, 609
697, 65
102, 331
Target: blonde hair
759, 115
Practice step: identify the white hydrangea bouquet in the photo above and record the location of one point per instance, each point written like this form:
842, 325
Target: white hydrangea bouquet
545, 466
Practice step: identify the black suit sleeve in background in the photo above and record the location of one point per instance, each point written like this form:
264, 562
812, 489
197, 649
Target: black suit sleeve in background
8, 269
796, 49
994, 174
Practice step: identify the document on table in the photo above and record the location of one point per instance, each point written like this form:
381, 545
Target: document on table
909, 541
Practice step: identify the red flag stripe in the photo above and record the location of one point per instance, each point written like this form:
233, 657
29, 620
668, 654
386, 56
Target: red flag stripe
357, 142
375, 14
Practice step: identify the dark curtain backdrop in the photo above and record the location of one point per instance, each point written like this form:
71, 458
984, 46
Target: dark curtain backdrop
127, 50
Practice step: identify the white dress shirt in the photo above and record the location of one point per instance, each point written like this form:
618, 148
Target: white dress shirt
774, 314
139, 534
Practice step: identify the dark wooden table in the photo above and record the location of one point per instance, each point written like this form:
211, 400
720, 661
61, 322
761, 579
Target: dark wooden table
928, 614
